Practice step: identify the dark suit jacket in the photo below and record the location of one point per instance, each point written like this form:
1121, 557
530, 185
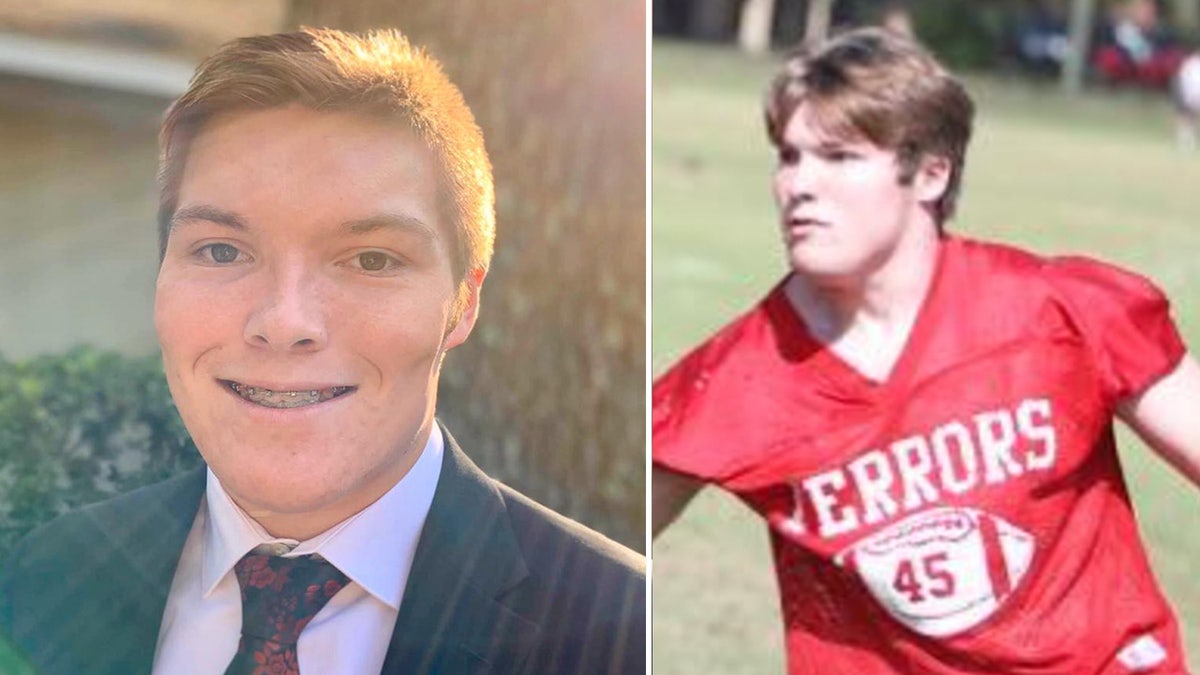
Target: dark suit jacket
499, 584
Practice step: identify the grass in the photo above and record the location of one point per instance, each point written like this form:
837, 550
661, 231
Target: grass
1098, 175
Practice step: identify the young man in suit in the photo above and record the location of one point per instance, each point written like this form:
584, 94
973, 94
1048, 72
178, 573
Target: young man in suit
326, 224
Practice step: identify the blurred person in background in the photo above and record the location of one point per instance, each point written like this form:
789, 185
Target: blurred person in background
1137, 47
925, 422
326, 225
1039, 40
1185, 94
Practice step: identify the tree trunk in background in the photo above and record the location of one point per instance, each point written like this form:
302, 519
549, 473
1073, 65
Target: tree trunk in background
816, 22
1080, 31
548, 395
754, 29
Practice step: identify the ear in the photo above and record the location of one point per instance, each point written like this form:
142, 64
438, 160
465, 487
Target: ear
465, 310
932, 178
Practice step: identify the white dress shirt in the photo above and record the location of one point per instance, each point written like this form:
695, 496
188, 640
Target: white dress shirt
374, 548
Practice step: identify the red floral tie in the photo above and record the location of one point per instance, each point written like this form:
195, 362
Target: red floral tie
279, 597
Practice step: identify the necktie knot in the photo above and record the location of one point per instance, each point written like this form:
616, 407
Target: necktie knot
280, 596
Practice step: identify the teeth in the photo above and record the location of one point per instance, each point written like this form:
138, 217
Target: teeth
286, 399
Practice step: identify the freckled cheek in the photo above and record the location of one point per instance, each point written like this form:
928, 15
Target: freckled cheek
181, 338
399, 340
394, 330
192, 322
181, 311
779, 187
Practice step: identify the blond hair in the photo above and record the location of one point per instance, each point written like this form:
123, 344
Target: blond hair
378, 73
874, 84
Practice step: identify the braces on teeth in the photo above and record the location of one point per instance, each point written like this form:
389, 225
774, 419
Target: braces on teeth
286, 399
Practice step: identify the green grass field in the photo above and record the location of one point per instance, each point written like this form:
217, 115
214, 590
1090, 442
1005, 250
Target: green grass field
1098, 175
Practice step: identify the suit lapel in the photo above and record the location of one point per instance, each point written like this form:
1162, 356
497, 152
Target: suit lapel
450, 620
147, 539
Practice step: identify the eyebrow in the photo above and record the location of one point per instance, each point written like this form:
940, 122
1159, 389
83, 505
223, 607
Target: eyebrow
389, 221
382, 221
211, 214
833, 144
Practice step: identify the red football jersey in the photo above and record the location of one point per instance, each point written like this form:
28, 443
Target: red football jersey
968, 514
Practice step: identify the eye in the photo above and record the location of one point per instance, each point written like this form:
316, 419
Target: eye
789, 156
839, 154
222, 254
375, 261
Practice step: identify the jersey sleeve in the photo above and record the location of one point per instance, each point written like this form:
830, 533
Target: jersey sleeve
702, 410
1125, 320
681, 406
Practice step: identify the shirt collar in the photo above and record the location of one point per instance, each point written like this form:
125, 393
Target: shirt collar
374, 547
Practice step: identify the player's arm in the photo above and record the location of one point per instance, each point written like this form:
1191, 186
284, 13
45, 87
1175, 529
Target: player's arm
1167, 416
671, 493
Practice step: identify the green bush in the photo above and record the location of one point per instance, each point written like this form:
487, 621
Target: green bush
79, 427
965, 34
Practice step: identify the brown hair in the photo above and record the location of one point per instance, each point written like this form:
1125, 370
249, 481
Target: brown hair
377, 73
874, 84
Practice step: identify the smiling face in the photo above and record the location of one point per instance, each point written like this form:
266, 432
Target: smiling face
303, 306
844, 211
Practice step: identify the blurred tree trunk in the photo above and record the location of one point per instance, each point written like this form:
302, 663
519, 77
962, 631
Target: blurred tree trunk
817, 19
754, 28
549, 392
1080, 33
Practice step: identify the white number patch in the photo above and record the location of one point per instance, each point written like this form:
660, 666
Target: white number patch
942, 571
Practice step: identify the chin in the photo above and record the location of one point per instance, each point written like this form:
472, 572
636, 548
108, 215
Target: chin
279, 492
269, 475
808, 264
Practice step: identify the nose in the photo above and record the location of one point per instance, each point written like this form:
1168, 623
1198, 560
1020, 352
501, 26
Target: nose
796, 181
289, 316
